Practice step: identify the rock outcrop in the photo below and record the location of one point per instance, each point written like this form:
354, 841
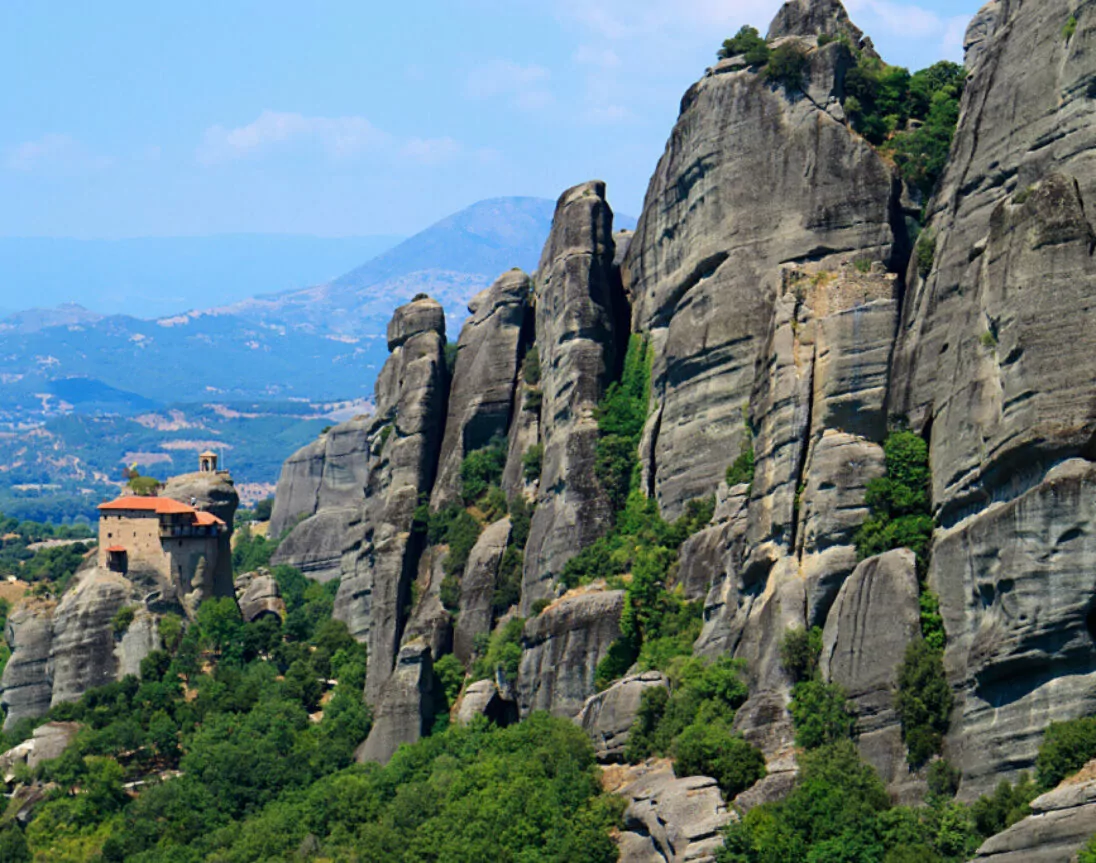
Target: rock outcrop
813, 18
405, 705
562, 647
861, 653
578, 303
258, 594
319, 492
490, 349
477, 589
27, 682
670, 820
381, 555
212, 492
60, 649
723, 215
48, 741
483, 698
608, 716
1062, 821
994, 365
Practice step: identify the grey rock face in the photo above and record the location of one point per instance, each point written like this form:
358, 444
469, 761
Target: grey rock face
82, 653
1016, 585
994, 363
429, 621
477, 588
981, 30
876, 616
483, 698
257, 594
816, 18
489, 352
722, 216
62, 649
576, 306
27, 686
683, 818
405, 707
563, 646
832, 509
1062, 821
49, 741
608, 716
141, 637
315, 545
381, 554
330, 472
319, 491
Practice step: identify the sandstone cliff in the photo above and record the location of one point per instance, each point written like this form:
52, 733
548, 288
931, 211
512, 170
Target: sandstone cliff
994, 366
792, 318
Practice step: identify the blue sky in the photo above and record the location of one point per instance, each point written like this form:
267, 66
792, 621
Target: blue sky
350, 117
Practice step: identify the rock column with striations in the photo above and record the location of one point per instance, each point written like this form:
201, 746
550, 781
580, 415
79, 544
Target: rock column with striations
381, 558
576, 305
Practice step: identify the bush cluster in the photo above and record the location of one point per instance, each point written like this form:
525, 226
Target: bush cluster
693, 723
621, 416
881, 102
748, 43
923, 702
899, 501
788, 65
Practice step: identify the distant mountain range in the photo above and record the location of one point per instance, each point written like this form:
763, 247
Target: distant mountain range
65, 365
322, 342
148, 277
451, 260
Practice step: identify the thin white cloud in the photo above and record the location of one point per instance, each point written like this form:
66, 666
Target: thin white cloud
432, 151
337, 137
912, 21
605, 58
525, 85
53, 154
619, 20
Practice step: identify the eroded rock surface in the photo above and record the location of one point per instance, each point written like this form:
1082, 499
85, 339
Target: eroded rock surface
257, 594
669, 819
577, 306
477, 590
489, 352
404, 709
608, 716
994, 364
875, 617
319, 492
723, 214
1062, 821
563, 646
381, 555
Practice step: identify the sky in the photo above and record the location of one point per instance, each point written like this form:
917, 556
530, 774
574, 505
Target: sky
355, 117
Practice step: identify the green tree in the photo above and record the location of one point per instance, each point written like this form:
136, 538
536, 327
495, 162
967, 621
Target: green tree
1066, 748
821, 714
788, 65
924, 701
749, 43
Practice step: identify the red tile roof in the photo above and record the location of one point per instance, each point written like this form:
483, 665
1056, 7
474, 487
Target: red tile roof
117, 549
158, 505
206, 519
